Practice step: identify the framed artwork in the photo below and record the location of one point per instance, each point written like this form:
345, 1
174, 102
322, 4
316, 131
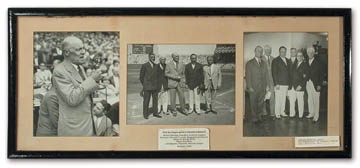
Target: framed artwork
179, 83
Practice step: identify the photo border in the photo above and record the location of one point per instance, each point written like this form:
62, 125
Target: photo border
14, 13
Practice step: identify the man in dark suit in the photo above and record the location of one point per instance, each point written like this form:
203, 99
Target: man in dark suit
280, 73
74, 91
175, 72
194, 77
292, 90
163, 101
48, 115
149, 81
313, 84
256, 76
298, 75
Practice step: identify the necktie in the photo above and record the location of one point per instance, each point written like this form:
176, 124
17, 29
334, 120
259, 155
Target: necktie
81, 73
177, 67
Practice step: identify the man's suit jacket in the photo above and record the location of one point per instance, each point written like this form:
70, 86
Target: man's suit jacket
194, 77
75, 101
148, 76
215, 75
280, 71
315, 72
268, 62
256, 75
162, 79
172, 73
48, 115
298, 75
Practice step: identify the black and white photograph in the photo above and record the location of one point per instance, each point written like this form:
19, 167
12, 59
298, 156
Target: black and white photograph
285, 84
76, 84
181, 84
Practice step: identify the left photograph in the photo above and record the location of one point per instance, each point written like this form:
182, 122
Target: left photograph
76, 84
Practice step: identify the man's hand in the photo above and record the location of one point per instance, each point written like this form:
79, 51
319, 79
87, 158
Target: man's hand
251, 90
97, 75
318, 88
298, 88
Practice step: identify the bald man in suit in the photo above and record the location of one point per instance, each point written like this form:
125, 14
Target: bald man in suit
74, 91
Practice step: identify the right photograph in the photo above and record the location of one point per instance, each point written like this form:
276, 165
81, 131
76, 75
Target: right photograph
285, 84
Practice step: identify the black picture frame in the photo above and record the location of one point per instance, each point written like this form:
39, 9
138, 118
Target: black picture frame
14, 13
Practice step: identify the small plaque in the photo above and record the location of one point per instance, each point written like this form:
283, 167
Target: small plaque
317, 141
183, 139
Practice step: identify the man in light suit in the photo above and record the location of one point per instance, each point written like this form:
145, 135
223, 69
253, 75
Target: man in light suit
280, 73
212, 82
194, 76
149, 81
74, 91
313, 84
163, 100
268, 60
256, 74
176, 83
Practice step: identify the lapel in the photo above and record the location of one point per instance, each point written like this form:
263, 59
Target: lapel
71, 69
301, 64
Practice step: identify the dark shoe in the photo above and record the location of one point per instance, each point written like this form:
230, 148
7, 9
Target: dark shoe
190, 112
197, 113
174, 113
157, 116
185, 112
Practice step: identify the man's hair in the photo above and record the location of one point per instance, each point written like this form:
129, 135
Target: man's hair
173, 54
258, 47
283, 48
310, 49
192, 55
151, 54
293, 49
106, 106
267, 47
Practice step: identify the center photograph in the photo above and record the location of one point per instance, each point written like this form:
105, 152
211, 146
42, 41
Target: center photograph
181, 84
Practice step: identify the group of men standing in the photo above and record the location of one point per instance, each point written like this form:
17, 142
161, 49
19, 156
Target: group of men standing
275, 79
163, 81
